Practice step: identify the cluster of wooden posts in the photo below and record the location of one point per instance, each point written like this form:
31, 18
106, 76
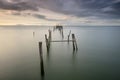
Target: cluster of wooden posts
48, 40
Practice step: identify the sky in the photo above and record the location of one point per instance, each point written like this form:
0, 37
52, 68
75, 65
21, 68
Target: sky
66, 12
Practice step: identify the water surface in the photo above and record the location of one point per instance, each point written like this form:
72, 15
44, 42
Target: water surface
98, 56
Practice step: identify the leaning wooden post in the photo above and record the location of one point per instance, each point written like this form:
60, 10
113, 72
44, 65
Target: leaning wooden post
47, 42
75, 43
49, 35
73, 40
41, 59
69, 35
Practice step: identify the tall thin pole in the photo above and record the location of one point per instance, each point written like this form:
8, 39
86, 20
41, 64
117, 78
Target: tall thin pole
73, 40
69, 36
41, 59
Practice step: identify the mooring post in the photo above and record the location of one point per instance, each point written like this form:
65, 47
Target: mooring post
41, 59
75, 43
49, 38
49, 34
69, 35
45, 36
62, 34
68, 38
73, 40
33, 34
46, 40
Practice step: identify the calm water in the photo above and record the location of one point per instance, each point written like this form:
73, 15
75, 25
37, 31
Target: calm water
98, 57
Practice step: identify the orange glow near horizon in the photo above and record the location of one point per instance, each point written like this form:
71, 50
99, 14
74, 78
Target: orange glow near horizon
7, 18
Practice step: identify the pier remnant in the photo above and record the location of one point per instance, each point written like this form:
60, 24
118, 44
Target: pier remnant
50, 35
33, 34
47, 42
49, 39
69, 36
41, 59
74, 42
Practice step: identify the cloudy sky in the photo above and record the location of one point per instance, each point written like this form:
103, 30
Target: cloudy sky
51, 12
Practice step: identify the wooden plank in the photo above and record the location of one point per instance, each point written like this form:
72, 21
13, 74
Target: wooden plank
62, 41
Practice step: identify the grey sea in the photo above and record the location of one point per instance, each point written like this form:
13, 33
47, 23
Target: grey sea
97, 58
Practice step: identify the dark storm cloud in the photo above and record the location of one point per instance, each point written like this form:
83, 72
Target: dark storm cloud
19, 13
39, 16
96, 8
107, 9
113, 10
45, 18
16, 5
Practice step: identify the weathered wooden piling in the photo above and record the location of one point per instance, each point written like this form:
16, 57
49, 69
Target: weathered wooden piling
50, 35
33, 34
62, 34
47, 43
69, 36
74, 42
41, 59
46, 39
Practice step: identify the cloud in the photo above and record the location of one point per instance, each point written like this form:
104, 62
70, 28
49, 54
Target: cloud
96, 8
17, 5
102, 9
39, 16
45, 18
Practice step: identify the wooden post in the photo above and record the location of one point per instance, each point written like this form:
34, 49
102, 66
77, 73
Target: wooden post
33, 34
46, 40
76, 44
41, 59
45, 37
69, 35
73, 40
62, 34
49, 35
68, 38
49, 39
47, 43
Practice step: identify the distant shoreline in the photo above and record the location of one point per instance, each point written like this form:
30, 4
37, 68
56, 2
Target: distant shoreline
63, 26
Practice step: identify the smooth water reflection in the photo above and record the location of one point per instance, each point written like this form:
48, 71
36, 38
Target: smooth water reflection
98, 57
